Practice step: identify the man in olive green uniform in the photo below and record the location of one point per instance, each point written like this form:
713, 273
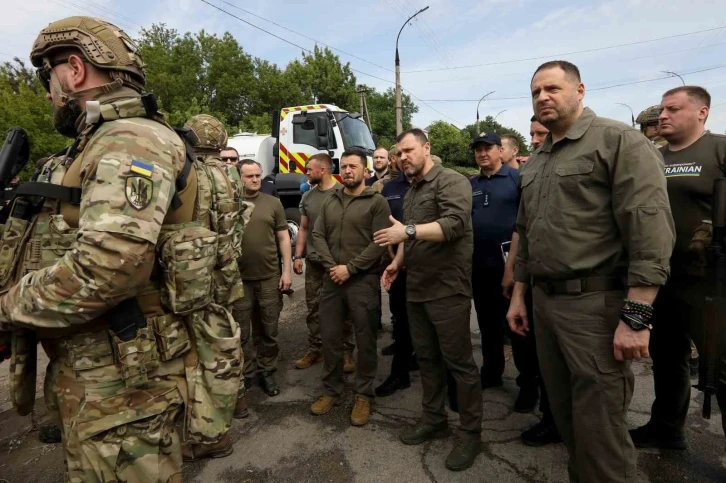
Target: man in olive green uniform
595, 235
319, 168
436, 246
262, 280
343, 240
694, 158
118, 391
648, 121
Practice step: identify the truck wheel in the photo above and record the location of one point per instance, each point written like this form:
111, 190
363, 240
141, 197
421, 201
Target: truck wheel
293, 223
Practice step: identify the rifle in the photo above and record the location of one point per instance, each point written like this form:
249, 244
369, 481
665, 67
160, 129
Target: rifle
14, 154
715, 309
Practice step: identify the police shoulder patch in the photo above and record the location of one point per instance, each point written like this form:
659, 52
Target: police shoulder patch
139, 191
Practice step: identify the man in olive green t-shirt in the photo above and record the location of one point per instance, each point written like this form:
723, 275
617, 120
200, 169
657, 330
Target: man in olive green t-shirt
260, 271
319, 168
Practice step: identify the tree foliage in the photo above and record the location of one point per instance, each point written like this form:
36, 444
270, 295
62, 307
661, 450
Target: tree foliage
382, 108
23, 104
450, 143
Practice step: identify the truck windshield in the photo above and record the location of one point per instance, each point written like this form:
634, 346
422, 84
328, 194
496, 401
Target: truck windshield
355, 133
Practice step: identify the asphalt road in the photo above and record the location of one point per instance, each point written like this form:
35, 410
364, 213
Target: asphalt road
282, 442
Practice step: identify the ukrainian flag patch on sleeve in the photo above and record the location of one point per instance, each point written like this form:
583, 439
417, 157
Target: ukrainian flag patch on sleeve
142, 168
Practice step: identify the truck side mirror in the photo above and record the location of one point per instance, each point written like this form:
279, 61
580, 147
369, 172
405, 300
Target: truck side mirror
322, 128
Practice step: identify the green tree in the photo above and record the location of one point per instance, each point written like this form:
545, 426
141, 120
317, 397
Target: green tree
203, 70
23, 104
489, 124
323, 79
382, 109
450, 143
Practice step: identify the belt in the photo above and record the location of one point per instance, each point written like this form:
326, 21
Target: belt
577, 286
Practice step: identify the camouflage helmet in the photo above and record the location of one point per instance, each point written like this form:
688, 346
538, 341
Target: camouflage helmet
649, 116
102, 44
210, 131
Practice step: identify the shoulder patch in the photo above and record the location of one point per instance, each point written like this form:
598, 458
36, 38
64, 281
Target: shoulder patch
139, 191
144, 169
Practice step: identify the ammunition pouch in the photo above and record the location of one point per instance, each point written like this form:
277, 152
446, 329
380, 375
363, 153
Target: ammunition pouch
214, 380
187, 254
172, 337
136, 357
15, 233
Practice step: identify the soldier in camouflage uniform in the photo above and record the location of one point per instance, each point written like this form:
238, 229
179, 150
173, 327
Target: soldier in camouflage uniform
220, 209
392, 173
82, 253
648, 120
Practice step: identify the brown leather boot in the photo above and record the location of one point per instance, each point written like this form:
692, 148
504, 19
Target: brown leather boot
361, 413
240, 409
196, 452
324, 404
309, 359
348, 364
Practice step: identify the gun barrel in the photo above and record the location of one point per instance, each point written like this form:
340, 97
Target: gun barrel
14, 154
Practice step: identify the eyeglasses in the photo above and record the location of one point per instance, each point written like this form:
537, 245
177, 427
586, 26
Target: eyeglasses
228, 159
46, 70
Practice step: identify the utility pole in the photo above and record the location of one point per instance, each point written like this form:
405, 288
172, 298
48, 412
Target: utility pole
399, 106
362, 91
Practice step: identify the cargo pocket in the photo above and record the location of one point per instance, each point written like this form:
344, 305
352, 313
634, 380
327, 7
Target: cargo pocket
188, 256
172, 338
217, 375
614, 385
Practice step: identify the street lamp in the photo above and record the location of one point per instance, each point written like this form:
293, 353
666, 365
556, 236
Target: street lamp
632, 116
673, 74
399, 107
495, 117
477, 111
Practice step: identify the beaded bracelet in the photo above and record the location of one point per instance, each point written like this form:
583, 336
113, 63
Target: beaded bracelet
644, 310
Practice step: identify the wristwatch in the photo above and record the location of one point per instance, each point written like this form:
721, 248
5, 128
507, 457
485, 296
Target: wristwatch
411, 232
295, 257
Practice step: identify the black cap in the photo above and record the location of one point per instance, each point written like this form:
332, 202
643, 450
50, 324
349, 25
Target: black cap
487, 138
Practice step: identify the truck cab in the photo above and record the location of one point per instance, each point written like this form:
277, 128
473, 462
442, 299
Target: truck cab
297, 134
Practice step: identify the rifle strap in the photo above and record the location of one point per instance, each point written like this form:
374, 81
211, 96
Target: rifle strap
67, 194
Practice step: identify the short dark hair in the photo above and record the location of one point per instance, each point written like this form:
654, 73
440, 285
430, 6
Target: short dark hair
416, 132
570, 69
362, 156
247, 162
533, 119
323, 158
697, 93
230, 148
512, 138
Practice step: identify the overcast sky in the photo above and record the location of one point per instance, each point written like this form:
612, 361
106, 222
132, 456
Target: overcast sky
447, 40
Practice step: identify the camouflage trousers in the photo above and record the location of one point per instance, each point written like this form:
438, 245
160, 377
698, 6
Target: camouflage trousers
314, 274
258, 314
111, 432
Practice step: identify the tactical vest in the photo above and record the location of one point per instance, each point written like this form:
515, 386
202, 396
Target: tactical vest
43, 226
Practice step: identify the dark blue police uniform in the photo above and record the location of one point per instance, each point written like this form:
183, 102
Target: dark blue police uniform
394, 191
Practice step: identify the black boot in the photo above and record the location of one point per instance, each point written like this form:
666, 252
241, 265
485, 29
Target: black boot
652, 436
269, 385
393, 384
541, 434
527, 399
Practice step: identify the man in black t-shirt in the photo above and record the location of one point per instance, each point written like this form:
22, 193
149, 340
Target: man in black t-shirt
693, 158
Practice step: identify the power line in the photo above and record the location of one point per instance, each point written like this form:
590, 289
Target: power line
305, 36
311, 52
598, 49
587, 90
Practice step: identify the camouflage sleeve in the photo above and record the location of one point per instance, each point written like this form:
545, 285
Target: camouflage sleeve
122, 209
